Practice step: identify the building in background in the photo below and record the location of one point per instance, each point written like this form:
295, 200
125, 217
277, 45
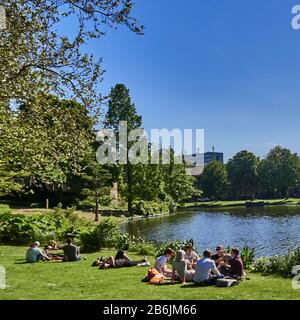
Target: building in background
199, 159
196, 163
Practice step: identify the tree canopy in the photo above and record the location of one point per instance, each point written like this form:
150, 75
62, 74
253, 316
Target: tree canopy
36, 56
214, 181
243, 174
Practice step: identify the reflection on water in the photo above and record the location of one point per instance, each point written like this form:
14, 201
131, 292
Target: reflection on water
271, 230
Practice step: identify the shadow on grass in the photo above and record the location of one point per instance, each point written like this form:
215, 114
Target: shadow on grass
184, 286
21, 261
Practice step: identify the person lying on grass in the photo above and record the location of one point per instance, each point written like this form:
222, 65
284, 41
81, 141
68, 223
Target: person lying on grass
180, 267
121, 260
34, 254
52, 245
161, 263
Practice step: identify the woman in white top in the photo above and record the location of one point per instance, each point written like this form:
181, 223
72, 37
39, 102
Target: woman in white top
161, 263
179, 266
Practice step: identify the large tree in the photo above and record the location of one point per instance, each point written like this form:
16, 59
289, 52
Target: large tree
120, 108
9, 175
178, 184
37, 52
214, 181
97, 185
243, 175
279, 171
50, 140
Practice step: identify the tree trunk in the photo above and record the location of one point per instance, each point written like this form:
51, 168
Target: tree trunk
97, 209
129, 192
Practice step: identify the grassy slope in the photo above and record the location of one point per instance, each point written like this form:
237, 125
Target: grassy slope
240, 203
80, 281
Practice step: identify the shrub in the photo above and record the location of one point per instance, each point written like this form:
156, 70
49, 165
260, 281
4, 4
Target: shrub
146, 208
105, 234
123, 242
175, 245
4, 209
21, 229
248, 256
278, 265
145, 249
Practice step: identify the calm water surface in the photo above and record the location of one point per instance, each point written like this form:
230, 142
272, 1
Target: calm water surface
271, 230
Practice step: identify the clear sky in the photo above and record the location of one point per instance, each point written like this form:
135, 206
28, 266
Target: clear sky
228, 66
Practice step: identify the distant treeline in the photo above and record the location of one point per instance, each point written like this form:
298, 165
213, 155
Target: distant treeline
246, 176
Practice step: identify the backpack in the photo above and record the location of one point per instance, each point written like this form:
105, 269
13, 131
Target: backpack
226, 283
152, 273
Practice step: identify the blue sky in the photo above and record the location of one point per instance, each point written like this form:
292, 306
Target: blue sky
228, 66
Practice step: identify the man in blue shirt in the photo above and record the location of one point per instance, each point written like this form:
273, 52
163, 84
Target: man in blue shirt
34, 254
204, 268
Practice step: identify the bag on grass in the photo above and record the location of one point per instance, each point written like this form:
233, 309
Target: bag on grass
226, 283
152, 273
157, 279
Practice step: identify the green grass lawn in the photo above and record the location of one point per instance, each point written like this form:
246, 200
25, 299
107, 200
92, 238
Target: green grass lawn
240, 203
80, 281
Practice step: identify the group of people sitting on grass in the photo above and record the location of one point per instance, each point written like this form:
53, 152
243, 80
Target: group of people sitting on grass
187, 266
70, 252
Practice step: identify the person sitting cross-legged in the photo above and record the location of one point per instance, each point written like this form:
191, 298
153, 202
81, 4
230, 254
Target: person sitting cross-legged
161, 263
191, 256
35, 254
224, 265
180, 266
71, 252
236, 264
204, 268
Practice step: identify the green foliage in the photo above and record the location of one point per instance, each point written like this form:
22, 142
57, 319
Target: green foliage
4, 209
214, 181
22, 229
51, 153
179, 186
9, 182
134, 244
123, 242
242, 172
120, 108
175, 245
278, 265
97, 185
248, 256
280, 171
37, 54
146, 208
145, 249
104, 235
